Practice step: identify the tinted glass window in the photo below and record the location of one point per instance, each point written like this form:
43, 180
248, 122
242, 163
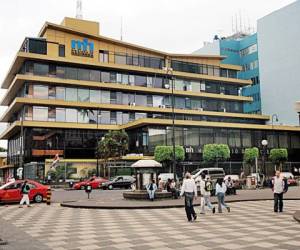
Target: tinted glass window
84, 74
71, 94
40, 69
61, 50
60, 115
71, 73
60, 93
71, 115
40, 113
40, 91
95, 96
83, 95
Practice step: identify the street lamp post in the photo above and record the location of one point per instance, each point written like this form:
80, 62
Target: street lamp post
274, 117
169, 73
264, 143
97, 167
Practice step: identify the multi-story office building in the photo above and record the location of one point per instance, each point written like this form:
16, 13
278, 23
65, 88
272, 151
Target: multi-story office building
279, 52
70, 85
240, 49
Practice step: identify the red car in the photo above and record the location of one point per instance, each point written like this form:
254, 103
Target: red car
95, 182
11, 191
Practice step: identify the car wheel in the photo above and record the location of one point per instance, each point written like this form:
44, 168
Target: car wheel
38, 198
82, 187
110, 187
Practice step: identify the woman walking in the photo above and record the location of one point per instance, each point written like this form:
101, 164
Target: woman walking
220, 193
189, 190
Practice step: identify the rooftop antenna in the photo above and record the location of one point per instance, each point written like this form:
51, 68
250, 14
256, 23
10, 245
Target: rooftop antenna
79, 9
121, 28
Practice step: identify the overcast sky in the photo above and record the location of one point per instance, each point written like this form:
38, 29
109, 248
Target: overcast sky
179, 26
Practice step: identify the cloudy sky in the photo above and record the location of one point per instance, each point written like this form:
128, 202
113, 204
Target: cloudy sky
179, 26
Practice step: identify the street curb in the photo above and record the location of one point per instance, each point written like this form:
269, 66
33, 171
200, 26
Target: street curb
70, 205
296, 216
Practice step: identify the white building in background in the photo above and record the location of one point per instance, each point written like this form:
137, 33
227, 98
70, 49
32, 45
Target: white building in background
279, 57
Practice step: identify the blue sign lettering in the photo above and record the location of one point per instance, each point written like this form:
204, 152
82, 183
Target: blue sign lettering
82, 48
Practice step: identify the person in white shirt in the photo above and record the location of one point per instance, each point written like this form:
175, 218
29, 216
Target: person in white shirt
206, 186
220, 193
151, 188
279, 187
189, 190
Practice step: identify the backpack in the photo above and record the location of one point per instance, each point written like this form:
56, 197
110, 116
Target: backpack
208, 186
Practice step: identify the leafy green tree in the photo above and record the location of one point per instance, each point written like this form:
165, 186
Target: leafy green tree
278, 156
3, 149
114, 144
250, 155
164, 154
215, 153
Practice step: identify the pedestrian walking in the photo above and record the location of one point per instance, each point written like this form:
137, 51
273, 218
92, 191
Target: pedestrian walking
189, 190
206, 187
25, 191
279, 186
220, 193
151, 188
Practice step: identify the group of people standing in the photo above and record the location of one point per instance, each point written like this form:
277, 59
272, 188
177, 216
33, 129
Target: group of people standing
189, 191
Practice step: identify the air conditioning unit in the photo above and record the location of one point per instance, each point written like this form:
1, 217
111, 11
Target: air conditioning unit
163, 106
222, 93
224, 109
133, 104
200, 109
167, 86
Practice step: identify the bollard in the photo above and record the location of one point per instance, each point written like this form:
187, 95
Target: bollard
48, 198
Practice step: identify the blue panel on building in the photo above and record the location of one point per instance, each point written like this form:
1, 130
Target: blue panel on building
243, 52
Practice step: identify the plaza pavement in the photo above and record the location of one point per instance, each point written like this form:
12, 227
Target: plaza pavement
250, 225
107, 199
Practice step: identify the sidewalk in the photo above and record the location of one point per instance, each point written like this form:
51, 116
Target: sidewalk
120, 203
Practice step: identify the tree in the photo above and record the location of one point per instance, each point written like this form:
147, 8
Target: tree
114, 144
3, 149
164, 154
278, 156
215, 153
250, 155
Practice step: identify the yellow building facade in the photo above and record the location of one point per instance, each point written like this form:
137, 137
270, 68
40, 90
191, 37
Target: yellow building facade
70, 85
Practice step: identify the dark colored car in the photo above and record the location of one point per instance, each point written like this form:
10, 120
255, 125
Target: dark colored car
11, 192
119, 182
95, 182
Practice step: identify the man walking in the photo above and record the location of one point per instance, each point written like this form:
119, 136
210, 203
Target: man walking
189, 190
279, 186
25, 191
206, 187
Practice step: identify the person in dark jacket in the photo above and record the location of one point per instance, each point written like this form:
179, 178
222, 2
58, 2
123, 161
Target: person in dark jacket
25, 191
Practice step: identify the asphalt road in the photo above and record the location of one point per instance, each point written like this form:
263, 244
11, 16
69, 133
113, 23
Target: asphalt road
61, 195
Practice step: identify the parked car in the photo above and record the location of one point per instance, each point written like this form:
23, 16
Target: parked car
290, 178
124, 181
11, 191
236, 180
95, 182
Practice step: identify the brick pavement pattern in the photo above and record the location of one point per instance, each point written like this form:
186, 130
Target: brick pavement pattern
250, 225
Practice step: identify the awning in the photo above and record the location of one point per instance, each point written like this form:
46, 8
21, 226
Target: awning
7, 166
146, 164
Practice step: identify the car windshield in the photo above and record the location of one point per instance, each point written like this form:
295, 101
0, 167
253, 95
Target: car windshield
195, 171
6, 185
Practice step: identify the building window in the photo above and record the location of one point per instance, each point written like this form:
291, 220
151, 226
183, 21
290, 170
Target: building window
71, 94
61, 50
40, 91
40, 113
71, 115
60, 115
103, 56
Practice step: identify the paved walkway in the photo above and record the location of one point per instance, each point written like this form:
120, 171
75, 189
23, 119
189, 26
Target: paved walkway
116, 201
250, 225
